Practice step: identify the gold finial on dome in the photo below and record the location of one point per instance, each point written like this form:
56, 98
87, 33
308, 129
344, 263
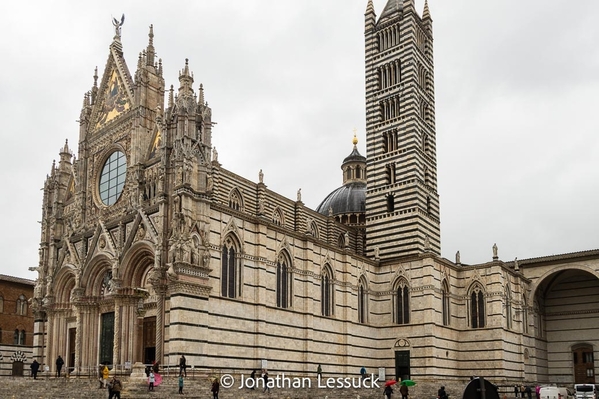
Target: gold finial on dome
355, 139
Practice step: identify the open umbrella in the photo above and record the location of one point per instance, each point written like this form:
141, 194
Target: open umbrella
390, 382
408, 383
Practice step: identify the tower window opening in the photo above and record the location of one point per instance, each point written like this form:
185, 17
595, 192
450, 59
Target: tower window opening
390, 203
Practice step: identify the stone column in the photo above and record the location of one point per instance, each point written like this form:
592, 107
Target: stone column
161, 291
50, 340
76, 300
116, 347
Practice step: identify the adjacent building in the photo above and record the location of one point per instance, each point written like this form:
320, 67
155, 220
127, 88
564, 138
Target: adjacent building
16, 324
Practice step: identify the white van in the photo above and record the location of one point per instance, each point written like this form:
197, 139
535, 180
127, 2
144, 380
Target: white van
553, 392
585, 391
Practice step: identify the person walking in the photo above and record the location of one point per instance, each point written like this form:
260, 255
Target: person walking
388, 391
404, 391
35, 366
265, 377
183, 365
253, 377
117, 386
363, 372
319, 371
215, 388
59, 363
181, 384
151, 380
105, 375
442, 394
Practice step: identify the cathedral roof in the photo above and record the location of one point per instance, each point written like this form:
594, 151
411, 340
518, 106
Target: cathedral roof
349, 198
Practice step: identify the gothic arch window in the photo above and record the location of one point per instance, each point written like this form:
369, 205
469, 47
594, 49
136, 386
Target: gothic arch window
341, 241
358, 172
327, 292
402, 302
277, 217
236, 200
508, 307
445, 303
313, 229
284, 281
1, 304
362, 300
477, 307
230, 269
22, 305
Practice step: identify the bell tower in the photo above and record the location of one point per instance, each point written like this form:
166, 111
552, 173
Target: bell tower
402, 203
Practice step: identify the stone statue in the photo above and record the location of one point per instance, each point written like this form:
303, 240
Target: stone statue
516, 266
299, 195
457, 258
261, 176
214, 154
117, 25
494, 251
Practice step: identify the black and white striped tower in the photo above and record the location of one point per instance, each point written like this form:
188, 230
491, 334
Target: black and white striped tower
402, 203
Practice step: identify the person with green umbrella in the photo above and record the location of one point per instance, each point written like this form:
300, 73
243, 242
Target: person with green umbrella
403, 390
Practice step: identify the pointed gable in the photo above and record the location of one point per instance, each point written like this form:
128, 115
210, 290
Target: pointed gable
115, 95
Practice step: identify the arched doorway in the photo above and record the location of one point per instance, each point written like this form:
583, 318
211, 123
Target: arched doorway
565, 314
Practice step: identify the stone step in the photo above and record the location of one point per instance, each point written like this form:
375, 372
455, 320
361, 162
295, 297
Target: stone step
80, 388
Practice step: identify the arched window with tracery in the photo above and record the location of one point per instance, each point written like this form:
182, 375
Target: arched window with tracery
277, 217
22, 305
235, 200
313, 229
19, 337
402, 302
230, 269
327, 291
284, 281
341, 241
477, 307
445, 303
362, 301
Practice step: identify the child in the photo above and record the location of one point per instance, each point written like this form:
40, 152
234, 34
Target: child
151, 378
181, 384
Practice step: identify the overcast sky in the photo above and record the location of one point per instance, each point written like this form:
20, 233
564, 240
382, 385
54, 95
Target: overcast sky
516, 85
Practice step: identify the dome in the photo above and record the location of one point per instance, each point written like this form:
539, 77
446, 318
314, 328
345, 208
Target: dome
349, 198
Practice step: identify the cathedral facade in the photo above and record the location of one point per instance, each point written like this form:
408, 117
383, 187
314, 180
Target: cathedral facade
151, 250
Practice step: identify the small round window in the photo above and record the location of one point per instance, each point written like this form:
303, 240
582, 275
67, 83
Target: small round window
112, 179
